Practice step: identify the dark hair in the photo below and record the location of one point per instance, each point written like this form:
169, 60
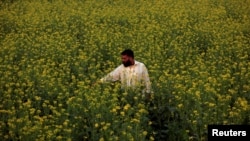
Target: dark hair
128, 52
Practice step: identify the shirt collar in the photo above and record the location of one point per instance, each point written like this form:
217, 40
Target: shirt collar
136, 62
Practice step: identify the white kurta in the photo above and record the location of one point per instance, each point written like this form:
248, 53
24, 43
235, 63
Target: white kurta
130, 77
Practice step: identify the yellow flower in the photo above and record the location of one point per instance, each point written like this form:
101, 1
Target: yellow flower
125, 94
113, 110
5, 111
6, 136
129, 127
32, 111
141, 105
144, 133
180, 105
65, 123
151, 138
96, 125
126, 107
122, 113
143, 111
194, 121
102, 123
135, 120
150, 123
59, 138
211, 104
105, 127
37, 98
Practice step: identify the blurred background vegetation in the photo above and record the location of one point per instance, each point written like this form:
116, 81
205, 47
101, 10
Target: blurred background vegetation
197, 53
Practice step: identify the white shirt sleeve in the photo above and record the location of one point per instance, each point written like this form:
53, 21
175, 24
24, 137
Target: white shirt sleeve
112, 76
145, 79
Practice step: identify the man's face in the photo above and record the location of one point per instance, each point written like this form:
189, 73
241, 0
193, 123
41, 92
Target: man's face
126, 60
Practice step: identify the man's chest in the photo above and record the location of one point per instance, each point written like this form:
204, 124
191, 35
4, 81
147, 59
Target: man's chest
133, 71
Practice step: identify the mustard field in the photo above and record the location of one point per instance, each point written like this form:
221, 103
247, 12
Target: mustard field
51, 52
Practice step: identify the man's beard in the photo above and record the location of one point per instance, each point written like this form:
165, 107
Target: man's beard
127, 64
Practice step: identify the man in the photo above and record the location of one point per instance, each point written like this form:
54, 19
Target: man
131, 73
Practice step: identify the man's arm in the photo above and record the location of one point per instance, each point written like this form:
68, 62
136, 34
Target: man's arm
112, 76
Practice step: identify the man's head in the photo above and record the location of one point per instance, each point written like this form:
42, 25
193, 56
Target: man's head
127, 57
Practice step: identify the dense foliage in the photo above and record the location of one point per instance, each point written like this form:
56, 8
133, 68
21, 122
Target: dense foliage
197, 53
